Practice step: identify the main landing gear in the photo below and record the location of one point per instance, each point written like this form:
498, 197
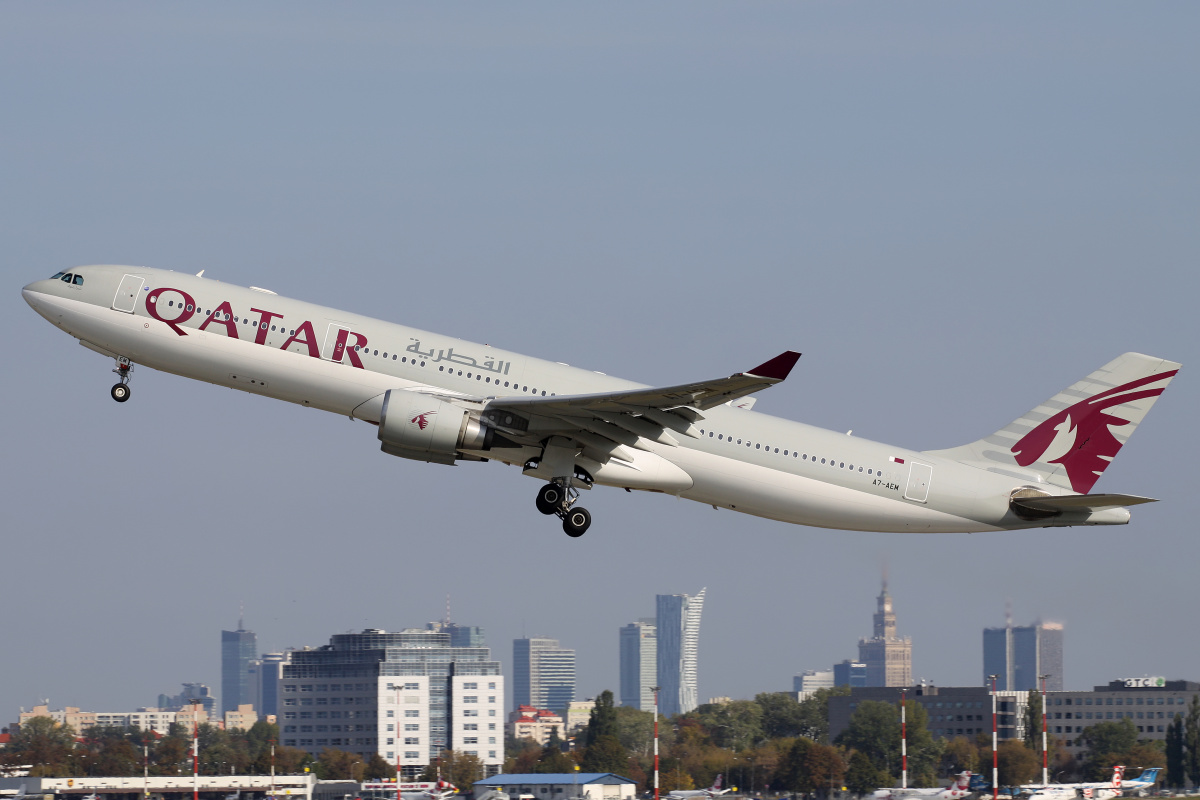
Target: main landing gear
120, 391
558, 497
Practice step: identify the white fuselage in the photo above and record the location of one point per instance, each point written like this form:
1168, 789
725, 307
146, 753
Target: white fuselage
336, 361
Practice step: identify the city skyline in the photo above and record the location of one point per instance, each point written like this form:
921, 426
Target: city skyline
692, 198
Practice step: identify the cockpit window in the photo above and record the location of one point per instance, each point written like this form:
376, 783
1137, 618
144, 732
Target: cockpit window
66, 278
78, 280
56, 276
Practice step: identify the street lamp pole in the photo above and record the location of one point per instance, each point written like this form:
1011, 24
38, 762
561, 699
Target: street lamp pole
1045, 752
655, 690
995, 754
398, 740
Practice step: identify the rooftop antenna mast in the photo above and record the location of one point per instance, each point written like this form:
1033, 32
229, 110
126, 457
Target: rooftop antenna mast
447, 609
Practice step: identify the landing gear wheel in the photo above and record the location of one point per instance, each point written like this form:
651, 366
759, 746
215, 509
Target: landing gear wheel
549, 498
576, 522
120, 392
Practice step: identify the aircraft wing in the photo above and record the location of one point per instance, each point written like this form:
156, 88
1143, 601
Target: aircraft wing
605, 424
700, 395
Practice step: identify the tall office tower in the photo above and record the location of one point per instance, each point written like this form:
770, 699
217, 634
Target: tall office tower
406, 696
238, 649
191, 691
543, 674
270, 670
1018, 655
639, 664
678, 624
888, 657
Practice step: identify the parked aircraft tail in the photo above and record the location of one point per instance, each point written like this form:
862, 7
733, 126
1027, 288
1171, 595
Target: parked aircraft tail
1149, 775
1071, 438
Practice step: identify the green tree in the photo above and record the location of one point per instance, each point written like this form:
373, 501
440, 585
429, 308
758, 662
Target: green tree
602, 721
45, 744
1175, 754
461, 769
604, 755
339, 765
553, 759
734, 725
1017, 763
520, 756
1107, 744
635, 730
1033, 722
784, 717
959, 754
379, 769
875, 730
1191, 742
811, 767
862, 776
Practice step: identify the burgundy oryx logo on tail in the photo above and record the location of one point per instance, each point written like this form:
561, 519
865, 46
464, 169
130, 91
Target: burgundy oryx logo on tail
421, 421
1093, 446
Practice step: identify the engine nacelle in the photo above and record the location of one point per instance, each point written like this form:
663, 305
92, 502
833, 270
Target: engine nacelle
424, 428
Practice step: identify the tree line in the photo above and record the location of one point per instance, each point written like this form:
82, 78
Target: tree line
770, 743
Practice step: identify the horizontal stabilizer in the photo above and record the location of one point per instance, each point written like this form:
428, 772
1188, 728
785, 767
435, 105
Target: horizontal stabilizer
1080, 502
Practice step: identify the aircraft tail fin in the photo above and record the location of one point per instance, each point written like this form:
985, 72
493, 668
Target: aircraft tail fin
1071, 438
1150, 775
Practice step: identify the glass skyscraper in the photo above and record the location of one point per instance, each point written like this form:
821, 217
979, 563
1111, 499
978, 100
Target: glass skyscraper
1018, 655
639, 664
543, 674
238, 649
678, 629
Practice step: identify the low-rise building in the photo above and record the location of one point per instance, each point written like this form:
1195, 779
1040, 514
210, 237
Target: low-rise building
538, 724
1149, 703
561, 786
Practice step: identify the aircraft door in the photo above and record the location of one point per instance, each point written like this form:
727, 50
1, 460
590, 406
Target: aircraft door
919, 476
334, 348
127, 293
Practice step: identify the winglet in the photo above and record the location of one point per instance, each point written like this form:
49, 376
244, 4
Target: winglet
778, 367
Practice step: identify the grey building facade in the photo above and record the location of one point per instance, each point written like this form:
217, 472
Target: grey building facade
953, 711
639, 664
543, 674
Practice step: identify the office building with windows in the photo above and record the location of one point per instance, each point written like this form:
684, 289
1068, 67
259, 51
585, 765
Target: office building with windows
1018, 655
238, 685
1149, 703
812, 679
678, 635
543, 674
406, 696
639, 664
850, 673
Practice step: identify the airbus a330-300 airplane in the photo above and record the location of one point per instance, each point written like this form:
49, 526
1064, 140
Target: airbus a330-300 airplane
439, 399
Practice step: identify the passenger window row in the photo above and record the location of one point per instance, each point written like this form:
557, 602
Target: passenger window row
794, 453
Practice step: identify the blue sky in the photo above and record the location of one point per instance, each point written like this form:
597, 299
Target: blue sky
952, 210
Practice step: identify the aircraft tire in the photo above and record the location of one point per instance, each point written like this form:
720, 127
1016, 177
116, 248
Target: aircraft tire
576, 522
120, 392
549, 498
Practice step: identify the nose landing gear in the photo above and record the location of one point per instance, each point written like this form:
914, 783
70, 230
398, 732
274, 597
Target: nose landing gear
558, 497
120, 391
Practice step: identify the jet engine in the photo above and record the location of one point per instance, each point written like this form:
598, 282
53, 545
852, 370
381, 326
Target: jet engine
425, 428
